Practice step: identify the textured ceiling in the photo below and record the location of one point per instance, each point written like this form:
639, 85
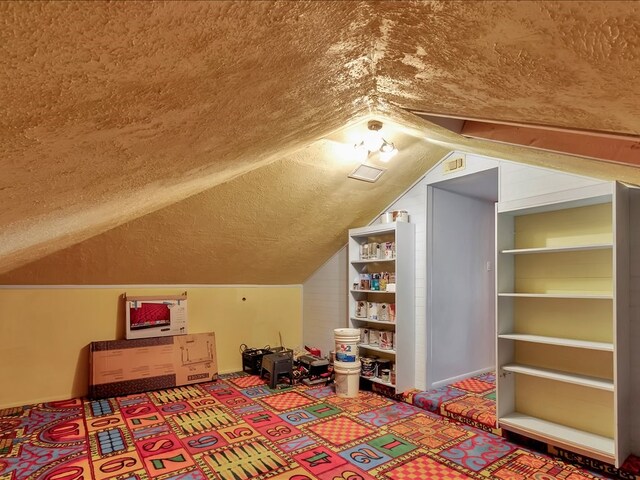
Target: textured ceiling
196, 142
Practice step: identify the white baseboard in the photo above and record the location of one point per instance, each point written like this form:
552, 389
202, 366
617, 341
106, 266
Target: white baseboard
449, 381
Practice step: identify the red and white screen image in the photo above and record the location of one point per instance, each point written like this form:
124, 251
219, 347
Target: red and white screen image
149, 315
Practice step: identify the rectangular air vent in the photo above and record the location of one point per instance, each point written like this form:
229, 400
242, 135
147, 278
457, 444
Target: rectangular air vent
457, 162
366, 173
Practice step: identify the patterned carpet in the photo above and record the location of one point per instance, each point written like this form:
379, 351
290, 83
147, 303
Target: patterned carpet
471, 401
237, 428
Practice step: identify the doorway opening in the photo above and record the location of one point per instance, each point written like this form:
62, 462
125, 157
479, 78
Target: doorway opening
460, 277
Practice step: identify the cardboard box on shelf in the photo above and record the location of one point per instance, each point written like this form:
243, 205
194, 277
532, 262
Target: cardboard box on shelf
124, 367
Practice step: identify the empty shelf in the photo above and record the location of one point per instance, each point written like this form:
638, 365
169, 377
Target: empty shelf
574, 378
586, 295
562, 342
573, 248
596, 445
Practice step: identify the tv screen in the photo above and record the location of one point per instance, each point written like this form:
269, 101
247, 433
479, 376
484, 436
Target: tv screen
144, 315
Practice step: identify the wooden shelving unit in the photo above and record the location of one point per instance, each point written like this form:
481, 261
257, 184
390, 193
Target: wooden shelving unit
562, 323
403, 296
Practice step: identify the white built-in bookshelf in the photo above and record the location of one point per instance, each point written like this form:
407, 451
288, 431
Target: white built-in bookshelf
562, 321
400, 265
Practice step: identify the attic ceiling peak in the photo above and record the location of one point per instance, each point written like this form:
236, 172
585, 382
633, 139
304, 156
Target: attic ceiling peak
117, 111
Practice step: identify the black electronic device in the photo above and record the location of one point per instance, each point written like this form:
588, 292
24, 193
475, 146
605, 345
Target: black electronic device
315, 366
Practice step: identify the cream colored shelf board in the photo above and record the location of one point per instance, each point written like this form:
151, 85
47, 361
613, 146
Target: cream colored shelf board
381, 322
371, 291
376, 349
598, 296
582, 380
562, 342
572, 248
373, 260
602, 447
377, 380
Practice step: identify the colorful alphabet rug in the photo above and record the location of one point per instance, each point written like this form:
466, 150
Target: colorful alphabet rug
472, 401
237, 428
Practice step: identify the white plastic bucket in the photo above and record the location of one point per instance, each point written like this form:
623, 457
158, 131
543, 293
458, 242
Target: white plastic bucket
347, 344
347, 378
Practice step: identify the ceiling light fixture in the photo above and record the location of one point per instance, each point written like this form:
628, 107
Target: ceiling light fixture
374, 143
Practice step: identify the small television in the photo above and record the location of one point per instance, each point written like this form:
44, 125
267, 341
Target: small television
155, 316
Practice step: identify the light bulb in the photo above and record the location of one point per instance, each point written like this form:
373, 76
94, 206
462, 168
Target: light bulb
373, 140
385, 156
361, 152
387, 146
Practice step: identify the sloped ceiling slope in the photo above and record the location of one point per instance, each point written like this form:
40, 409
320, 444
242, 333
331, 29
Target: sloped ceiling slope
567, 64
273, 225
195, 142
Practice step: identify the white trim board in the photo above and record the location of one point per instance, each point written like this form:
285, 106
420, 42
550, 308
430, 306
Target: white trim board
197, 285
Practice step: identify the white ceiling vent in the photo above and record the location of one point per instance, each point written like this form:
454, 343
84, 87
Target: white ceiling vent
366, 173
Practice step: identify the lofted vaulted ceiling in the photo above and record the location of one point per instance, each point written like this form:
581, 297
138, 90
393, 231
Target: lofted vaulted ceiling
202, 142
